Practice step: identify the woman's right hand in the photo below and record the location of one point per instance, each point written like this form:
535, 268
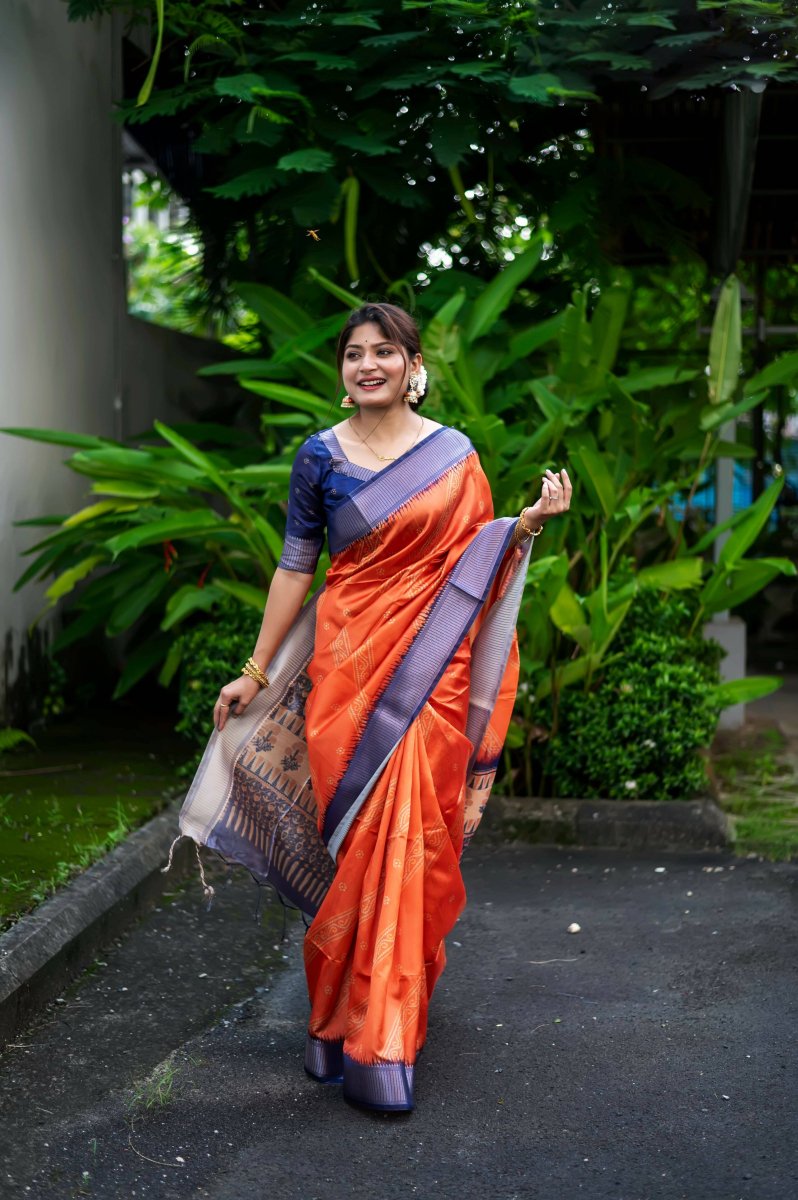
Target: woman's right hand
234, 699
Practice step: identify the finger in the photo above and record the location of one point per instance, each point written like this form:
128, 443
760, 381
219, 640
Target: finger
568, 487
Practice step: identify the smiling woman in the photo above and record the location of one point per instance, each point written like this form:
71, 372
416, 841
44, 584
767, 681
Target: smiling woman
367, 726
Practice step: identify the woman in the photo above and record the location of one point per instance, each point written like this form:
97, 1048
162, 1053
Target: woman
352, 775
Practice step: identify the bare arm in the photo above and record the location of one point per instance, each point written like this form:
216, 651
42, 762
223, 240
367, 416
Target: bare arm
287, 594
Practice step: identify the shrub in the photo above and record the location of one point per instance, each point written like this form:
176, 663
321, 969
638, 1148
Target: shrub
638, 733
212, 653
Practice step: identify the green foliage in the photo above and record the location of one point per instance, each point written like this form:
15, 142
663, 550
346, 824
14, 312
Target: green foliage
212, 653
14, 739
440, 112
638, 732
181, 530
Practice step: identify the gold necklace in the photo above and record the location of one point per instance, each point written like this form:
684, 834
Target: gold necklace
386, 457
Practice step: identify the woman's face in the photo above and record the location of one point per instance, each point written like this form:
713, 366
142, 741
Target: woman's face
375, 370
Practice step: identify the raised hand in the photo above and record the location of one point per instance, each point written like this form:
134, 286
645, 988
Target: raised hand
555, 498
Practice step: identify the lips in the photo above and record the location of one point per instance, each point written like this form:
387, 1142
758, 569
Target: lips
371, 385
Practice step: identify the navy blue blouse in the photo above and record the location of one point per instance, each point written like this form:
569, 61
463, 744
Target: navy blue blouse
321, 478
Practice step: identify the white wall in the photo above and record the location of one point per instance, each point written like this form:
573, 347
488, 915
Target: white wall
61, 287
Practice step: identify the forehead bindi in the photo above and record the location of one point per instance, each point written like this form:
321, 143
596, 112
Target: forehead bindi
368, 335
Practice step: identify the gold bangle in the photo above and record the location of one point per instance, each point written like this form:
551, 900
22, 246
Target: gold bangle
252, 669
522, 525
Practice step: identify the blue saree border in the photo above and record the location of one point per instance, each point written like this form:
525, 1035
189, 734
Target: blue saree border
451, 615
379, 497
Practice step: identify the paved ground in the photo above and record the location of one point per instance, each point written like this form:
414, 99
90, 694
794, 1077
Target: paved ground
650, 1056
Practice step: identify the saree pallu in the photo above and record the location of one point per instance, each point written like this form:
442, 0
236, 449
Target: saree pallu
353, 782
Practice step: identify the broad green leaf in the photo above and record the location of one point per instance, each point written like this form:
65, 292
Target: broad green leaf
347, 298
321, 62
751, 526
743, 691
186, 525
187, 599
78, 628
568, 615
171, 663
501, 291
194, 456
361, 20
567, 673
80, 441
549, 404
133, 605
245, 592
261, 475
714, 533
727, 589
140, 662
65, 583
306, 160
277, 311
291, 396
714, 416
671, 576
592, 473
783, 369
650, 378
115, 462
725, 344
97, 510
125, 488
523, 344
542, 88
608, 321
257, 182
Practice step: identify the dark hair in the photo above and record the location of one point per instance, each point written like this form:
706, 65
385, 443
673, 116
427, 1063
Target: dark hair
397, 326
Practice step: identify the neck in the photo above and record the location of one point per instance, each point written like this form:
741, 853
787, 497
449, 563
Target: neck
394, 420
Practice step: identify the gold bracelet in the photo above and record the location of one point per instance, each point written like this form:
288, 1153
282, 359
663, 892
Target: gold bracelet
252, 669
522, 525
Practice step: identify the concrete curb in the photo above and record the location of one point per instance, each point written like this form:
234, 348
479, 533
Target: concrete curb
620, 824
49, 947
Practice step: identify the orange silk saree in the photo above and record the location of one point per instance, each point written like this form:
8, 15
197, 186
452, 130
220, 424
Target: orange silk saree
353, 782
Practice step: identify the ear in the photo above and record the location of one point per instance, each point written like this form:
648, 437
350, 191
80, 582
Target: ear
415, 362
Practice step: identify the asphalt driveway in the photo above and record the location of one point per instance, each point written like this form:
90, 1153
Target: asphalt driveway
650, 1055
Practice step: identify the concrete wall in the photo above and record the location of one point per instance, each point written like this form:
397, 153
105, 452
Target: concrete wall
61, 284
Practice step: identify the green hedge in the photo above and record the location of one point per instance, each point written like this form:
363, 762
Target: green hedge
638, 733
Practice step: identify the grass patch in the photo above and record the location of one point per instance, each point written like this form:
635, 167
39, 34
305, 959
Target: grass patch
155, 1091
758, 787
67, 801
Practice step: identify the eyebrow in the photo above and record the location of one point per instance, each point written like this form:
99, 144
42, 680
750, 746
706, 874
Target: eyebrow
357, 345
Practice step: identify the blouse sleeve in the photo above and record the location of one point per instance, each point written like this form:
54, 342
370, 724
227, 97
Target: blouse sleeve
304, 535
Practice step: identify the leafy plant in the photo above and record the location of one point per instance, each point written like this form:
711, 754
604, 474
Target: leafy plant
172, 530
14, 739
407, 116
638, 732
183, 530
211, 653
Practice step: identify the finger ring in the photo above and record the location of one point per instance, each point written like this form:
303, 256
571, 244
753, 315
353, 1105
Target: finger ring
223, 705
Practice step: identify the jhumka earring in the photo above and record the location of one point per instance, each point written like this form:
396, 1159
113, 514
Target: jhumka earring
348, 402
416, 386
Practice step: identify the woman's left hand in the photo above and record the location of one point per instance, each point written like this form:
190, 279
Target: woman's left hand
555, 498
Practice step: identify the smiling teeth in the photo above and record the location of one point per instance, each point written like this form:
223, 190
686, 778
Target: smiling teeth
372, 383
